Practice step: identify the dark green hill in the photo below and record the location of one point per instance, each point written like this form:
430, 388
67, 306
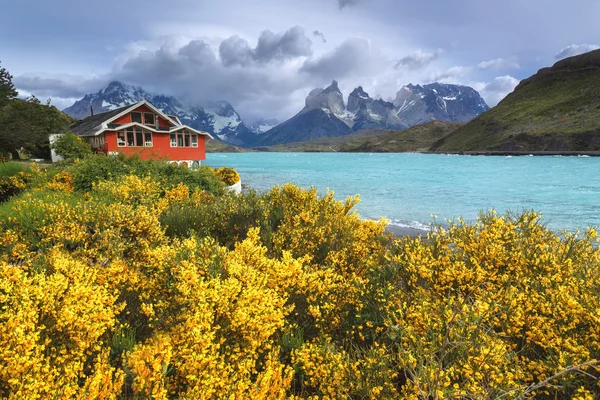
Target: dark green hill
417, 138
216, 146
557, 109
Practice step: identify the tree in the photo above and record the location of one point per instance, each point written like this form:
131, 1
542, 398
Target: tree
70, 146
27, 124
7, 89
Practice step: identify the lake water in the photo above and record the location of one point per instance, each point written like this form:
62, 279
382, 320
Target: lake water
409, 188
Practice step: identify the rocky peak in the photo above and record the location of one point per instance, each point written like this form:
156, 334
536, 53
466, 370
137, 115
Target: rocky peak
329, 100
333, 87
357, 99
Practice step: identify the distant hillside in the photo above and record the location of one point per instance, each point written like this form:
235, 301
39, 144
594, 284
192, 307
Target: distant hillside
216, 146
557, 109
417, 138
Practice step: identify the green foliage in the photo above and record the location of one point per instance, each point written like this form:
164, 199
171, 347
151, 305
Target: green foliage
96, 168
7, 89
70, 146
13, 179
27, 124
555, 110
9, 169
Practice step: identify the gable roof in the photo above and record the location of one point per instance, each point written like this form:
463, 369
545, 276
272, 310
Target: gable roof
96, 124
91, 124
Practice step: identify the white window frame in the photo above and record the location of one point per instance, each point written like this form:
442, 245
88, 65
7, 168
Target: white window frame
173, 139
194, 140
153, 115
146, 142
124, 143
141, 121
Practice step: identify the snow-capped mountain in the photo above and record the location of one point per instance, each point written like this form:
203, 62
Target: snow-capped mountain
219, 119
417, 104
325, 113
262, 125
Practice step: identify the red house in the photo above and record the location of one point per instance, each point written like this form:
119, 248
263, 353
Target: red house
143, 129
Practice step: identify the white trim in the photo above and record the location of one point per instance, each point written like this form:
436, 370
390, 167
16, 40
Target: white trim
191, 129
133, 107
150, 128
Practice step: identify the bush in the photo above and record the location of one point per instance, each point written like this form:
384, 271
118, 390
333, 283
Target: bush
141, 287
97, 168
70, 146
228, 175
14, 177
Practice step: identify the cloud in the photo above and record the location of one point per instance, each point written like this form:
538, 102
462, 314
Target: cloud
574, 50
320, 35
449, 75
498, 63
63, 86
494, 91
346, 3
352, 57
271, 46
418, 59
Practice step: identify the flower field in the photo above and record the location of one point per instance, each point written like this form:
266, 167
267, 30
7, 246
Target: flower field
130, 279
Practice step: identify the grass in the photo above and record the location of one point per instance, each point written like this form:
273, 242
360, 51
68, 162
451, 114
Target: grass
12, 168
554, 110
419, 138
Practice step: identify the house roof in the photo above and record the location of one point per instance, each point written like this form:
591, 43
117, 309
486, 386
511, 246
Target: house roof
90, 125
96, 124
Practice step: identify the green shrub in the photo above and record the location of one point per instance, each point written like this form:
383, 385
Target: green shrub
96, 168
70, 146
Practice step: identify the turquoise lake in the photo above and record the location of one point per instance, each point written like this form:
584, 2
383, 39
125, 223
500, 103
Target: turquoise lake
409, 188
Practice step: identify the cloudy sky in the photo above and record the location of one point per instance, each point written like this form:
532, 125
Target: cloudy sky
264, 56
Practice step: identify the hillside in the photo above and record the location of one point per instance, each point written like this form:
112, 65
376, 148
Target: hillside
557, 109
216, 146
417, 138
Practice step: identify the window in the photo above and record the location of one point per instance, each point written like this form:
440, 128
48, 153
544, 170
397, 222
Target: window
121, 139
139, 137
184, 138
149, 118
136, 117
147, 139
130, 137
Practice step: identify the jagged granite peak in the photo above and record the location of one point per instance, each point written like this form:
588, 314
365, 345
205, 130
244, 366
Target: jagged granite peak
357, 99
414, 104
218, 118
328, 99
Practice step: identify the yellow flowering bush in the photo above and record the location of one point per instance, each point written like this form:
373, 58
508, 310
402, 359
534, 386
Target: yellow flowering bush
136, 287
228, 175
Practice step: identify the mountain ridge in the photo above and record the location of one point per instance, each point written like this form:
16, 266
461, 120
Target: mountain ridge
414, 105
217, 118
555, 110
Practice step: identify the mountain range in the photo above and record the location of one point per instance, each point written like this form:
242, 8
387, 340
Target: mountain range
218, 118
325, 113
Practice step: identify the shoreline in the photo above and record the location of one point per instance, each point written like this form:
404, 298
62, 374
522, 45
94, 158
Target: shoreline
519, 153
401, 231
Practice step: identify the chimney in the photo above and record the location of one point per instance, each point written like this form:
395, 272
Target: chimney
91, 110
